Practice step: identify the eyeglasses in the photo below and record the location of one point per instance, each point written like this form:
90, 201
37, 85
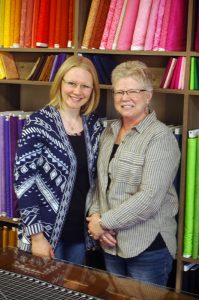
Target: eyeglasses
74, 85
130, 93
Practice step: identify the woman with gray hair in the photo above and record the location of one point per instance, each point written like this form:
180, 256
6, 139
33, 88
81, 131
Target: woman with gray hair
135, 202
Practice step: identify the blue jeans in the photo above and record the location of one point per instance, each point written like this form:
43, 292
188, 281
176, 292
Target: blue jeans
149, 266
72, 252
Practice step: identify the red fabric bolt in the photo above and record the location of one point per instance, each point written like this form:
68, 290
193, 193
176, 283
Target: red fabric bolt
43, 24
64, 23
52, 22
71, 22
58, 23
197, 32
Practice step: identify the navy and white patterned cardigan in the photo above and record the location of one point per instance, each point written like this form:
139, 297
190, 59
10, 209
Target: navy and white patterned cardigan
45, 172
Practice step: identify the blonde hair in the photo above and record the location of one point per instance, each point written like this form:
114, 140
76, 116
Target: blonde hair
80, 62
135, 69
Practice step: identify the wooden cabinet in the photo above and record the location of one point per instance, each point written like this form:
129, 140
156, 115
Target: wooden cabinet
172, 106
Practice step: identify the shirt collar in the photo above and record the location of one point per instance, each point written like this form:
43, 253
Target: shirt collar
150, 118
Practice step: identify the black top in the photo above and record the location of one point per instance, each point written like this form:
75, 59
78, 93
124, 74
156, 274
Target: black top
158, 243
115, 146
73, 229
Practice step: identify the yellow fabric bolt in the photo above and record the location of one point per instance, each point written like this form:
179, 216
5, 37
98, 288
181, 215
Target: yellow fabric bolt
7, 24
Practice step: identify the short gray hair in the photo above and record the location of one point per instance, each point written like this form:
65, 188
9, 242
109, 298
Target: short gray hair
135, 69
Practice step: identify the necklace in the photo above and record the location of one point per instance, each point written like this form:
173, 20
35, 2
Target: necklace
73, 131
72, 128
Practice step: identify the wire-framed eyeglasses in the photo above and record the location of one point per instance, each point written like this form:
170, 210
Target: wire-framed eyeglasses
130, 93
74, 85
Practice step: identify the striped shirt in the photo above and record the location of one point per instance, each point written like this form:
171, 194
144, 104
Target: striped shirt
141, 200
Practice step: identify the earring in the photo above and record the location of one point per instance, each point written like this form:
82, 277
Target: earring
147, 109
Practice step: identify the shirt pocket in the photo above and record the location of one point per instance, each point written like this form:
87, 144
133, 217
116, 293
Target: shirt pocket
130, 166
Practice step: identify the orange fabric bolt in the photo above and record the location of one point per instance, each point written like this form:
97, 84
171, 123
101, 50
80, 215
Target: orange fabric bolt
90, 22
12, 20
36, 9
23, 22
29, 22
17, 23
99, 24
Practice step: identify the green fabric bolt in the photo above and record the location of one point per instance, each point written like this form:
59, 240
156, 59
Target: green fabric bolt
195, 250
192, 73
189, 196
196, 79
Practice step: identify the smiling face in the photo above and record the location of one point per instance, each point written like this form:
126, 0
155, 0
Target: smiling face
132, 106
76, 88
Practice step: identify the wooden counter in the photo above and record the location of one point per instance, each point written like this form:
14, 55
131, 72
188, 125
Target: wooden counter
86, 280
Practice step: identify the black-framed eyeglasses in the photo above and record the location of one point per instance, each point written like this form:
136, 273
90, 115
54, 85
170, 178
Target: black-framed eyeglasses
130, 93
74, 85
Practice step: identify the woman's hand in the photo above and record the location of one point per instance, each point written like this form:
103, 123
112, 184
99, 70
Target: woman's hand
40, 246
107, 237
94, 227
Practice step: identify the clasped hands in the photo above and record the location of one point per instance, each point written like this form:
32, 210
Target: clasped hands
106, 237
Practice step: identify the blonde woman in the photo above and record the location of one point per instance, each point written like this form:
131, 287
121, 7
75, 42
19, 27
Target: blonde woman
56, 165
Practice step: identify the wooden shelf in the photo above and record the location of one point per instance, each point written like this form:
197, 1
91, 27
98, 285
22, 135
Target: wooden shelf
190, 260
6, 221
37, 50
102, 86
24, 82
130, 52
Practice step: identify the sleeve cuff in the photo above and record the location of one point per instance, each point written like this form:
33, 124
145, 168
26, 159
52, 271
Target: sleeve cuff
108, 221
34, 229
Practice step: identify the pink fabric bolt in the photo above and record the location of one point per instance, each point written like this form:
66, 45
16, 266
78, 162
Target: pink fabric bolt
141, 25
159, 25
182, 74
148, 45
176, 74
177, 28
119, 26
128, 25
165, 23
108, 24
114, 24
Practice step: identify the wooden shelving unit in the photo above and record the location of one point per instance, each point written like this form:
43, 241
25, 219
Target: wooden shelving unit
172, 106
8, 221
